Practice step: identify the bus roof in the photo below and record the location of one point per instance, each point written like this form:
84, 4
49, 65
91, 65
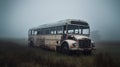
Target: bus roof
61, 23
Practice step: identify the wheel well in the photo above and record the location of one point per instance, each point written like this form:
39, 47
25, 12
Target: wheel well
64, 43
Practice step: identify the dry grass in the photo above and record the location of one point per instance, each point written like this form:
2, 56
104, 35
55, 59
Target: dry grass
14, 55
105, 60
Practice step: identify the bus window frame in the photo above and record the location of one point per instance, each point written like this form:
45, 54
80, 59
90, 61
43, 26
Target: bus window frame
81, 27
62, 28
59, 30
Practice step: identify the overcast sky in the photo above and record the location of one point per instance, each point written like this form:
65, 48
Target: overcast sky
17, 16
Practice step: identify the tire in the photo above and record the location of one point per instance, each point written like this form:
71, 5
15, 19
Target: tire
65, 48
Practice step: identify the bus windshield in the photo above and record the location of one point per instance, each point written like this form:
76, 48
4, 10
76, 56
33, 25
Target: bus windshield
77, 29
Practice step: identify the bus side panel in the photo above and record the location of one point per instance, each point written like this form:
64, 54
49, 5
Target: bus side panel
48, 41
51, 41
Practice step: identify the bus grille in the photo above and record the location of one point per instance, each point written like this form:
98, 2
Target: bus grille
84, 43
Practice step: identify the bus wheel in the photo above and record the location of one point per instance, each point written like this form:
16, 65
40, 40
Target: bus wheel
65, 48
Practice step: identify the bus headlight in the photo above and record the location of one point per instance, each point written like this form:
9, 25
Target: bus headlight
75, 44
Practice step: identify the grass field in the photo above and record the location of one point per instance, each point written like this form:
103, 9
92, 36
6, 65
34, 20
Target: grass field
15, 53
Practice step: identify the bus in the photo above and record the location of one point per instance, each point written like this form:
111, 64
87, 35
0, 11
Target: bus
69, 35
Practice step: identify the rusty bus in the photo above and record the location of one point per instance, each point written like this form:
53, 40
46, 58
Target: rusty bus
65, 36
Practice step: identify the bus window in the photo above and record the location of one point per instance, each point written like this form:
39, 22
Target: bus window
79, 31
32, 32
85, 31
35, 32
76, 31
51, 32
64, 31
70, 31
38, 32
47, 31
59, 30
54, 32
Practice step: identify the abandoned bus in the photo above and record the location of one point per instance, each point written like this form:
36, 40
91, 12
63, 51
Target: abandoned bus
65, 36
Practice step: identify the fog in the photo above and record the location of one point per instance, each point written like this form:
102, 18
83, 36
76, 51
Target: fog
17, 16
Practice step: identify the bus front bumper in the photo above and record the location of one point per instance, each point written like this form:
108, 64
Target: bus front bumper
82, 49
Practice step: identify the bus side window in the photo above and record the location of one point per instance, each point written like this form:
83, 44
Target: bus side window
70, 31
80, 31
54, 32
64, 31
60, 30
32, 32
35, 32
55, 28
76, 31
51, 32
